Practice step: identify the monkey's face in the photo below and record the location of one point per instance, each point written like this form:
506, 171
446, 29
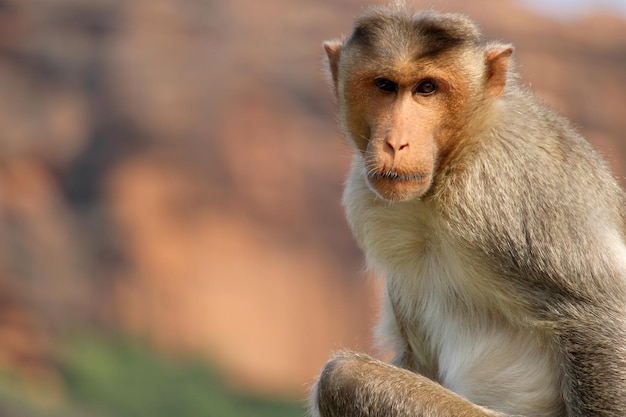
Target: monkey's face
393, 123
407, 91
401, 120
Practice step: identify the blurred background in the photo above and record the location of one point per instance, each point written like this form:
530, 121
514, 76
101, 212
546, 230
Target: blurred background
171, 236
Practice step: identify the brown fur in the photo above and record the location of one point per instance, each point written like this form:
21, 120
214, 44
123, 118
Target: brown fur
500, 230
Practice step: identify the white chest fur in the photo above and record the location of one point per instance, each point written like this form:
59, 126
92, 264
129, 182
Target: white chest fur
448, 308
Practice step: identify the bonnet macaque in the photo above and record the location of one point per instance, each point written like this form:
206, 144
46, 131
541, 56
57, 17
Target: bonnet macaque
499, 230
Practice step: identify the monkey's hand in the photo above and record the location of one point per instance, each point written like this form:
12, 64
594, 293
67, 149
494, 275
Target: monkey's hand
356, 385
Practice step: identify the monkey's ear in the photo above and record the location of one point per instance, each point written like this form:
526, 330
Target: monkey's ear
497, 62
333, 49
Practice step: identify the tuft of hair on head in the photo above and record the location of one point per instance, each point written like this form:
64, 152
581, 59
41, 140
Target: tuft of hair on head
394, 31
451, 25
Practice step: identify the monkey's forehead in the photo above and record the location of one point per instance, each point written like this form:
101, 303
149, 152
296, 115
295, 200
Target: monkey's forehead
382, 32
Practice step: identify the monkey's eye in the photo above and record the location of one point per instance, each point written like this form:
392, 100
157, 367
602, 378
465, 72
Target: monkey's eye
426, 87
386, 85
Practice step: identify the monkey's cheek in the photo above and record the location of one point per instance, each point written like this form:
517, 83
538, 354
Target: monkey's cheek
397, 190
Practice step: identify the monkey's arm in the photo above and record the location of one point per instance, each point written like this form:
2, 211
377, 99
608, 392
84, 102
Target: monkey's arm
356, 385
562, 252
593, 348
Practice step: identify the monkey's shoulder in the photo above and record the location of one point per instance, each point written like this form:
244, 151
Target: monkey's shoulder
529, 164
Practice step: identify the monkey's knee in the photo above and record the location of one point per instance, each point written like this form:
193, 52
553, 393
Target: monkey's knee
357, 385
339, 385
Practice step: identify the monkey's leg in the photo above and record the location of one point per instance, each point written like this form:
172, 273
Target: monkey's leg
356, 385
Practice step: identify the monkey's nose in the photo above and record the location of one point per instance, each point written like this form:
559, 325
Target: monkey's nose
396, 144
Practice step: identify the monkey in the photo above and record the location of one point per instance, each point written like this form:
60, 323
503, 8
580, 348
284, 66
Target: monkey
499, 230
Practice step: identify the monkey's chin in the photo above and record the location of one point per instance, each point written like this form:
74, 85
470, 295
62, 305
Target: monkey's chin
399, 189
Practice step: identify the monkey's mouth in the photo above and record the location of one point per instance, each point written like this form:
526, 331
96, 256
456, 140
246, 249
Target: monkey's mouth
393, 185
396, 176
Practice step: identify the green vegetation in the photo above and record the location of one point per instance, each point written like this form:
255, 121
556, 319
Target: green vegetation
122, 379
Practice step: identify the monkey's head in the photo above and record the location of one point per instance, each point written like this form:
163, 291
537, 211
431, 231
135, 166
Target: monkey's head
408, 87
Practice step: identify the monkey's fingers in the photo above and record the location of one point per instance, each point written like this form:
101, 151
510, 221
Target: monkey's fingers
357, 385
